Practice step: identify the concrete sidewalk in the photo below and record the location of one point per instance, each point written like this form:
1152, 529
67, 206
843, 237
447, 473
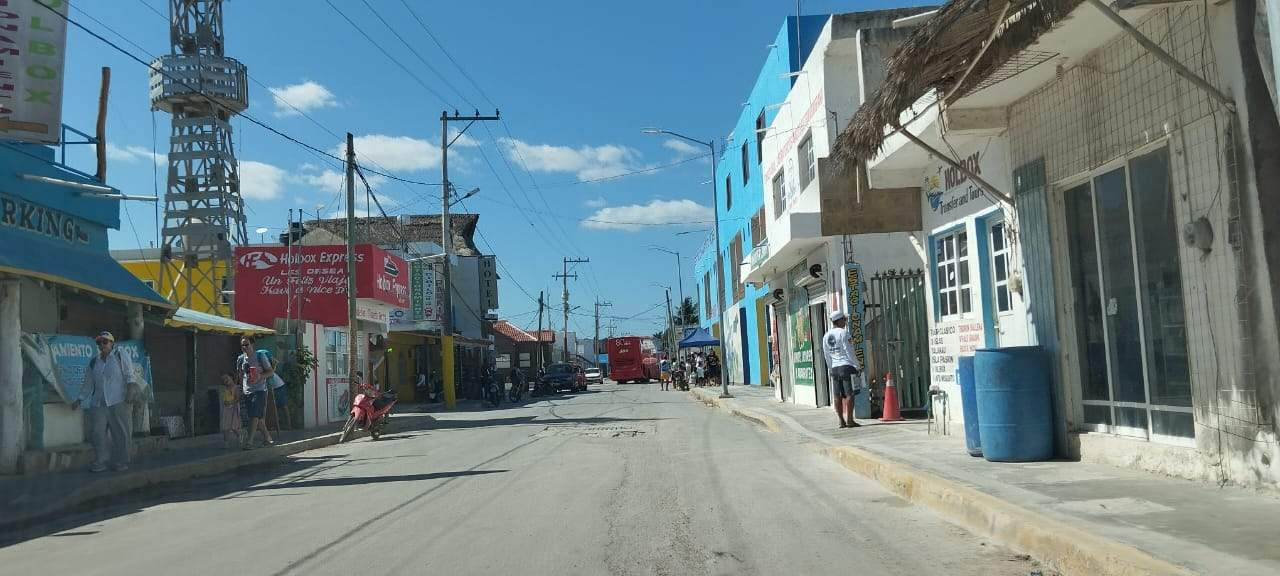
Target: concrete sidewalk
1078, 517
29, 499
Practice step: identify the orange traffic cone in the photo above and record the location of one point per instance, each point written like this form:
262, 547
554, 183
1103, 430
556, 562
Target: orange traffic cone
891, 412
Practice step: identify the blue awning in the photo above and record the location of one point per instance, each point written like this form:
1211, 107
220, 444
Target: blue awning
699, 338
63, 263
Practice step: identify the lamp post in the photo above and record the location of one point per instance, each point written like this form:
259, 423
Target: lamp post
670, 344
715, 207
679, 276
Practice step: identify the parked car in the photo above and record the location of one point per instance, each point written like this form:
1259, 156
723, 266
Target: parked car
594, 376
564, 376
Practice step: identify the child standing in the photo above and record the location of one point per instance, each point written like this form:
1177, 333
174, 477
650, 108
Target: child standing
229, 415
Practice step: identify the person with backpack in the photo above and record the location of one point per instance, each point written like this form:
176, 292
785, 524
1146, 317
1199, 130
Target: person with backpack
110, 386
255, 371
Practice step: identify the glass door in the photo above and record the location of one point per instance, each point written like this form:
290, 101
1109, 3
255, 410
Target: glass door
1130, 324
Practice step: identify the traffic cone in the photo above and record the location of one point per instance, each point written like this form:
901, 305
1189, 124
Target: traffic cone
891, 412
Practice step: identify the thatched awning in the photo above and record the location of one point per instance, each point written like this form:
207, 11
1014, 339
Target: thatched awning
936, 56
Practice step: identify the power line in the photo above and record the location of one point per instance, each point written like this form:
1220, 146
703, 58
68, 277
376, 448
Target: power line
648, 170
431, 35
415, 53
393, 59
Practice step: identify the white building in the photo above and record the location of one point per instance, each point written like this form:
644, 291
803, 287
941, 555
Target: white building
822, 234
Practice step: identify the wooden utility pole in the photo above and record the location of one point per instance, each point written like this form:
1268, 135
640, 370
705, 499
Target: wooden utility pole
353, 343
446, 245
564, 277
540, 349
671, 327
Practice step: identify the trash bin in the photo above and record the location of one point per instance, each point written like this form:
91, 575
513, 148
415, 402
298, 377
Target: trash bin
969, 406
1015, 406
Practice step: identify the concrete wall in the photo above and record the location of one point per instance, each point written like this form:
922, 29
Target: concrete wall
1135, 103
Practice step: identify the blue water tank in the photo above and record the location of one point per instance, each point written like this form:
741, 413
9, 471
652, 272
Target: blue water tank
1015, 406
969, 406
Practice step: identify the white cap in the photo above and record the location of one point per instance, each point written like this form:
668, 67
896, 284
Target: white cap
836, 316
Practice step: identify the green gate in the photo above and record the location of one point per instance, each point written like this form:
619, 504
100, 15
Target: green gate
898, 335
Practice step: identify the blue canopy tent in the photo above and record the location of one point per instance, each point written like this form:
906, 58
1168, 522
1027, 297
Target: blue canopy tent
698, 338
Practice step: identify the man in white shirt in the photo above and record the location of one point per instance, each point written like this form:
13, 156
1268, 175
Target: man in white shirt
842, 367
106, 384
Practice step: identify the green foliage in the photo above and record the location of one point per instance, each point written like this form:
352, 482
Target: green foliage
296, 373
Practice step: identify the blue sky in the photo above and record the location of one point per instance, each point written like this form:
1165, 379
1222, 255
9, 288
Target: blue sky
575, 80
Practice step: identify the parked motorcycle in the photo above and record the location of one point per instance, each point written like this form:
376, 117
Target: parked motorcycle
369, 411
490, 389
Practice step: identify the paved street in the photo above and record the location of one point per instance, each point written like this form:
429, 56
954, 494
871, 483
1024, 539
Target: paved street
618, 480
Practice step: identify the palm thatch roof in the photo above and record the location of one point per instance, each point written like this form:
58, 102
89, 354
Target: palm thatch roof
936, 56
392, 230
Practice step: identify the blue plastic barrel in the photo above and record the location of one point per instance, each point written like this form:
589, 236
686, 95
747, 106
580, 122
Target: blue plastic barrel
969, 406
1015, 406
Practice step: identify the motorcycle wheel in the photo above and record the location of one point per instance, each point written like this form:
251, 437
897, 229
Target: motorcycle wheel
347, 429
375, 431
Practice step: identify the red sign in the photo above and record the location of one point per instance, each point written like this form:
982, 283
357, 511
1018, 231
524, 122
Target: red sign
319, 282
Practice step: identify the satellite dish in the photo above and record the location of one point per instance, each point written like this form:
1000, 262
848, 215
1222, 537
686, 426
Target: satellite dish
262, 230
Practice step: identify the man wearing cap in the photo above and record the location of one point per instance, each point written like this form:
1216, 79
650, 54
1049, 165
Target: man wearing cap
106, 382
837, 348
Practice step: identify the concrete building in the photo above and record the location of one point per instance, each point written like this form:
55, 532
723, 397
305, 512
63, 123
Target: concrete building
811, 244
740, 198
1135, 163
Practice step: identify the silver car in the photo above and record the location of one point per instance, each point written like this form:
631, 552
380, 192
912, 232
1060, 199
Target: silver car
594, 376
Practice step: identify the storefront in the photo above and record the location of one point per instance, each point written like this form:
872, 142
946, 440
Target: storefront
314, 308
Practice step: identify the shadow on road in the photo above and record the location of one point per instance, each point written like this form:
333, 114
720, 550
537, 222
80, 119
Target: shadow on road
361, 480
535, 420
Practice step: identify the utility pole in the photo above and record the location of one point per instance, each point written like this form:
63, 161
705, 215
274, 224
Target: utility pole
564, 277
596, 340
671, 327
446, 245
352, 342
540, 293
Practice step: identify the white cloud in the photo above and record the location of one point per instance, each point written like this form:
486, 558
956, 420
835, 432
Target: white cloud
634, 217
329, 181
296, 98
261, 181
682, 148
132, 154
585, 162
394, 152
597, 202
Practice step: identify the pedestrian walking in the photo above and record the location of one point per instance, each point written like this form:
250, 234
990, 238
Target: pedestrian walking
110, 386
664, 376
713, 366
229, 415
254, 370
842, 367
700, 365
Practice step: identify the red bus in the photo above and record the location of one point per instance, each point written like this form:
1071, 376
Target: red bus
632, 359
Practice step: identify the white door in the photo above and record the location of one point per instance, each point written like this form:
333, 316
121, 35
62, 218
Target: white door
1007, 308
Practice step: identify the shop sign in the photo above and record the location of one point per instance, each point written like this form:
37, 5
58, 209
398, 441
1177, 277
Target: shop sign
33, 46
857, 312
71, 356
950, 192
41, 220
801, 339
488, 282
319, 282
373, 311
426, 291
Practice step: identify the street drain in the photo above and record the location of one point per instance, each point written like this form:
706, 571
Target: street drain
597, 430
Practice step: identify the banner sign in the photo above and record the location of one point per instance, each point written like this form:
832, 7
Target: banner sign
319, 282
339, 396
426, 291
488, 282
32, 52
71, 355
857, 313
801, 341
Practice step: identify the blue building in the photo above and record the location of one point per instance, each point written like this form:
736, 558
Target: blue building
740, 199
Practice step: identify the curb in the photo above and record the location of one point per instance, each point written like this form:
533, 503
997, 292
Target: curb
1063, 547
129, 482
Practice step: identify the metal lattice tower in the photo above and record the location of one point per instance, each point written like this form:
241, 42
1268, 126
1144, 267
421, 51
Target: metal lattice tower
203, 209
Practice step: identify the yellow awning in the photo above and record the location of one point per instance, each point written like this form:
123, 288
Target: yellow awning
202, 322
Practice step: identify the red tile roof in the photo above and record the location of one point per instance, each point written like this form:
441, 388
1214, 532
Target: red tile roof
510, 331
547, 335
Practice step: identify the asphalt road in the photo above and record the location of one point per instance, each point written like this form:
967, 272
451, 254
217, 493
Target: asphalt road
617, 480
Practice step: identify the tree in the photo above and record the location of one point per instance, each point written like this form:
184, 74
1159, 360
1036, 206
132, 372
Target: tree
688, 312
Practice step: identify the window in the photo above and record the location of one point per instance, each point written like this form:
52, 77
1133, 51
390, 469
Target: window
735, 267
728, 193
1000, 268
808, 164
746, 164
335, 352
779, 192
758, 228
952, 274
760, 130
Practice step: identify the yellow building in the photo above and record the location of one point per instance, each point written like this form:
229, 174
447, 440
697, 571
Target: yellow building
212, 297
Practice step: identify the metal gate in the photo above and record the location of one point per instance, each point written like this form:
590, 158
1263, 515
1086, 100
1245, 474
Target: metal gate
898, 335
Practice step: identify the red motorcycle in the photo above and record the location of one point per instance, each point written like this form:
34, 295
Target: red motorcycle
370, 411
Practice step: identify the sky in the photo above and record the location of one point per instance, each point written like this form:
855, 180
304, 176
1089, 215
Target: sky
575, 81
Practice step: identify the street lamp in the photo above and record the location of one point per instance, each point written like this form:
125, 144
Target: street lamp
469, 194
679, 275
715, 206
671, 343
